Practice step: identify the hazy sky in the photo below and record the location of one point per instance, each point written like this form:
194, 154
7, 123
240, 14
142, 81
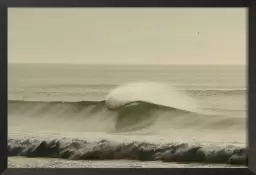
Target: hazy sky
128, 35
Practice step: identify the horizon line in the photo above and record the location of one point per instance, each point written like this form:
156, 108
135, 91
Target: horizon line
147, 64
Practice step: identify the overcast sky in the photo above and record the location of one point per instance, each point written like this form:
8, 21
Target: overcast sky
127, 35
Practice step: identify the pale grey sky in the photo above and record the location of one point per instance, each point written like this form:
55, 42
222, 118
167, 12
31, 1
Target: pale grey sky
127, 35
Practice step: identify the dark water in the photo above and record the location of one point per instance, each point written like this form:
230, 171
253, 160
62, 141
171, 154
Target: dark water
166, 113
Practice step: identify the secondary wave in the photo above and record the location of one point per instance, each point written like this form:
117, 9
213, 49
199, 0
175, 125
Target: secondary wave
76, 149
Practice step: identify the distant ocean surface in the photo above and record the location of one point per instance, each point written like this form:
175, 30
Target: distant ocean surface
161, 113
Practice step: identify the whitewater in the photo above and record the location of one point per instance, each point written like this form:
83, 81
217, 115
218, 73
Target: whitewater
194, 114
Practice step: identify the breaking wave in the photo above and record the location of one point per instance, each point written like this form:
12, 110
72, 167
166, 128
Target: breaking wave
131, 107
76, 149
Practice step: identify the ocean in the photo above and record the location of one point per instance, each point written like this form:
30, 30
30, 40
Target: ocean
126, 115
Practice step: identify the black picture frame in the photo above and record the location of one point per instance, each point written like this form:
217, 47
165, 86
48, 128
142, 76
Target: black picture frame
132, 3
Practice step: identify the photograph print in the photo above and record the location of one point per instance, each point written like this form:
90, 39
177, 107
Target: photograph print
127, 87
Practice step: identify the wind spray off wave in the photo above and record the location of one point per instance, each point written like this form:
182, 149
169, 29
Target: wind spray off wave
155, 93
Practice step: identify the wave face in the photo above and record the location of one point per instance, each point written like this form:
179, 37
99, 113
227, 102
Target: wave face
76, 149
